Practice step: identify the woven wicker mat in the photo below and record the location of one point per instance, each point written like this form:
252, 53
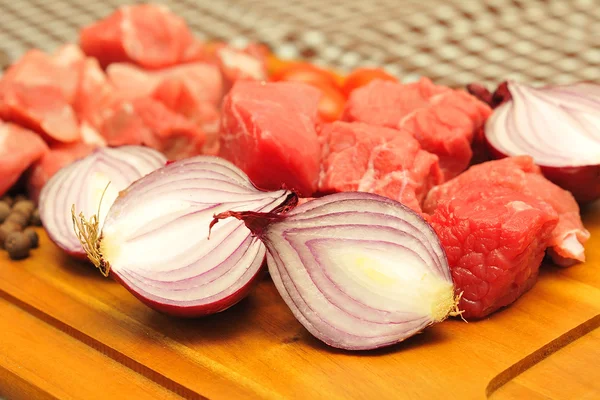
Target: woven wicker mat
452, 41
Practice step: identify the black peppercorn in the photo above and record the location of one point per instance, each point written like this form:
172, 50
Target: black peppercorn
8, 200
19, 218
35, 218
17, 244
5, 230
33, 237
4, 211
25, 207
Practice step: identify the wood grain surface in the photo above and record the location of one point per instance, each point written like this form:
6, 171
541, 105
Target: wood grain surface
67, 332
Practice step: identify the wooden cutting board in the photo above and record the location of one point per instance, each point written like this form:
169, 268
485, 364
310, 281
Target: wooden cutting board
67, 332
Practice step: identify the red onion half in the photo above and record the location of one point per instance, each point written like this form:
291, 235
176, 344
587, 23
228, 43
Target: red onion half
83, 183
155, 237
559, 127
358, 270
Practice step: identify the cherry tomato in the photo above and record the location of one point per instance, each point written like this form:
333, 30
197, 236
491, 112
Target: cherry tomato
275, 65
307, 73
363, 76
331, 104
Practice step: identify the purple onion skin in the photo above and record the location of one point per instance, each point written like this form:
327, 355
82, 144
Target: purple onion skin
583, 182
197, 311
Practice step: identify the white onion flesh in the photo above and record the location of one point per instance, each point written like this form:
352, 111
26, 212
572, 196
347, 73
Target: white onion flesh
83, 183
557, 125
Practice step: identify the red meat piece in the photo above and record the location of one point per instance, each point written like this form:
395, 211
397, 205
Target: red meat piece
37, 92
148, 35
176, 96
181, 98
522, 175
94, 92
38, 69
443, 120
241, 64
494, 239
142, 120
203, 80
43, 109
193, 90
19, 148
168, 132
58, 157
268, 130
360, 157
385, 103
102, 109
121, 125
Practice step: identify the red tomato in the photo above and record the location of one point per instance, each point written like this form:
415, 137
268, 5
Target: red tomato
275, 65
307, 73
331, 104
363, 76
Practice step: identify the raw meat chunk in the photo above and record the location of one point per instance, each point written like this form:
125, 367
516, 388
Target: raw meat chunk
121, 125
367, 158
37, 92
443, 120
386, 103
566, 245
495, 238
58, 157
19, 148
43, 109
38, 69
168, 132
241, 64
268, 130
177, 97
134, 121
447, 128
94, 92
192, 90
148, 35
203, 80
100, 107
507, 170
522, 175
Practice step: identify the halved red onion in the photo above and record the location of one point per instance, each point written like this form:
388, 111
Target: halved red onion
83, 183
155, 237
559, 126
358, 270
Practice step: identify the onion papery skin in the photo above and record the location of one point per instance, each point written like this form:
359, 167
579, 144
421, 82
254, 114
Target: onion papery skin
316, 253
155, 237
85, 183
578, 107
